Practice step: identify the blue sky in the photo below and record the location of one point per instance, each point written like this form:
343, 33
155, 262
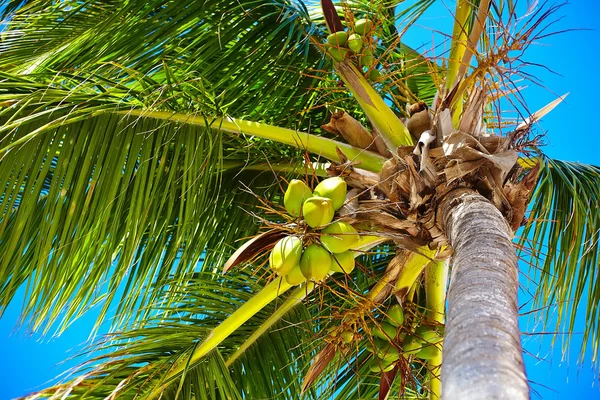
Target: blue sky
28, 361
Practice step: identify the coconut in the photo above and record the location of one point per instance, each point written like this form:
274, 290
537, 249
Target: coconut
411, 345
315, 262
375, 75
355, 42
343, 262
388, 353
334, 189
347, 336
337, 38
295, 276
396, 315
339, 237
286, 255
338, 53
362, 26
384, 331
318, 211
297, 191
429, 352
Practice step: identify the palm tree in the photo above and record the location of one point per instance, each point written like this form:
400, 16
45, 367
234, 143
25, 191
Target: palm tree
141, 141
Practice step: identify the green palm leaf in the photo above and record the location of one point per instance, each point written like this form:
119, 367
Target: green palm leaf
137, 360
563, 241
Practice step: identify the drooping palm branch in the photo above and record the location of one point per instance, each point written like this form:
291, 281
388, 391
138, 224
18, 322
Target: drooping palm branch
131, 199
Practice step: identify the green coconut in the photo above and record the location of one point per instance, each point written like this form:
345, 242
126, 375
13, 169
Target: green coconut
396, 315
315, 262
295, 195
377, 365
295, 276
363, 26
429, 352
366, 61
343, 262
285, 255
388, 353
318, 211
355, 42
338, 53
375, 75
347, 336
334, 189
411, 345
384, 331
339, 237
427, 334
337, 38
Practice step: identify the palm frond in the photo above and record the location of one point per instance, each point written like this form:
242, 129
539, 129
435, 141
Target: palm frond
247, 54
114, 204
135, 361
563, 238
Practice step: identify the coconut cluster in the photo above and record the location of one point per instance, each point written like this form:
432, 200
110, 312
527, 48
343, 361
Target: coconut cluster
390, 341
341, 45
331, 252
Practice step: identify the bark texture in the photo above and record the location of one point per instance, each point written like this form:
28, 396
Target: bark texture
482, 344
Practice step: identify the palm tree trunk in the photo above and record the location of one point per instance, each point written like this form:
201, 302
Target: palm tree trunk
482, 344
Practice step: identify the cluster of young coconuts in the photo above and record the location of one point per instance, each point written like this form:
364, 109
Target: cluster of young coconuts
325, 253
328, 250
423, 343
341, 45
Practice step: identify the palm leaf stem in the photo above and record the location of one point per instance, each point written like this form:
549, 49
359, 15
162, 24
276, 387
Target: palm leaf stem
389, 126
312, 143
228, 326
412, 269
436, 278
292, 301
316, 168
459, 35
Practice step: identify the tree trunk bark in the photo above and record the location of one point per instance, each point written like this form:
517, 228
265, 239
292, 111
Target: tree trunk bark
482, 344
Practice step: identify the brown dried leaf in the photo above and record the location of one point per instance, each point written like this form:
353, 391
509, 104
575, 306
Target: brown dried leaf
382, 289
419, 121
385, 384
488, 187
385, 221
362, 179
443, 126
380, 145
319, 363
494, 144
457, 170
402, 183
350, 206
471, 119
518, 195
258, 244
499, 164
386, 178
458, 140
350, 129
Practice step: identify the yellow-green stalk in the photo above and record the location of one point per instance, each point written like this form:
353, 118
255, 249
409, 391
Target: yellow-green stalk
412, 269
292, 301
314, 144
436, 277
226, 328
460, 34
389, 126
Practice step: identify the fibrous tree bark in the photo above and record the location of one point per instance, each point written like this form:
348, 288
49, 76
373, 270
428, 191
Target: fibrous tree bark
482, 347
